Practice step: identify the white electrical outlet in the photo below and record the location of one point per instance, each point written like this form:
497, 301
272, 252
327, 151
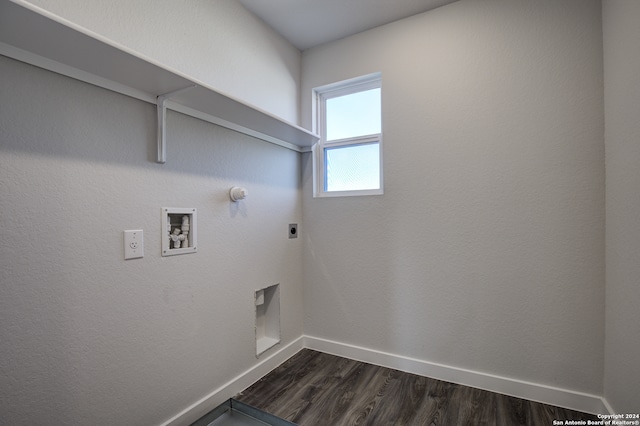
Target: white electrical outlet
133, 244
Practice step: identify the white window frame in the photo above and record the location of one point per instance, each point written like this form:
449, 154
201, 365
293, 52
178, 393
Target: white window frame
320, 96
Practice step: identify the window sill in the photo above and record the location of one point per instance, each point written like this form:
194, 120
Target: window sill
361, 193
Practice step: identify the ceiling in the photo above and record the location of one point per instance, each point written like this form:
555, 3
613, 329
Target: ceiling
309, 23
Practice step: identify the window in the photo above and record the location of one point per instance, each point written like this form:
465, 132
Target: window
348, 157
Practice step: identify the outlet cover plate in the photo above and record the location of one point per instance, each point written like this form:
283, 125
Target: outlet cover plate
293, 230
133, 244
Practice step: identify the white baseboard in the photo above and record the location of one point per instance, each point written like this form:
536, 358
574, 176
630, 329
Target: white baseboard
610, 410
234, 386
535, 392
573, 400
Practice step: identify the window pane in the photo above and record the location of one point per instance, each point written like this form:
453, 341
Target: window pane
353, 115
353, 167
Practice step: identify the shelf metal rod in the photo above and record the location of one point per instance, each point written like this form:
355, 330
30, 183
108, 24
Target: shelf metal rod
162, 116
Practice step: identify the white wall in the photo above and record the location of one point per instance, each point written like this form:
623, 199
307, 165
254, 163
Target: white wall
88, 338
622, 141
486, 251
216, 42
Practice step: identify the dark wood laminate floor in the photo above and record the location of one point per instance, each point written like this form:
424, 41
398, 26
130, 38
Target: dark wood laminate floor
316, 389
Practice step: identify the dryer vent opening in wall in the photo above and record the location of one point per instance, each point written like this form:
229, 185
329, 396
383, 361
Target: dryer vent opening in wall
267, 301
179, 226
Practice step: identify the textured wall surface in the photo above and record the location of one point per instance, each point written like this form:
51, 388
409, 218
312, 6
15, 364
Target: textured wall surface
216, 42
622, 141
486, 251
88, 338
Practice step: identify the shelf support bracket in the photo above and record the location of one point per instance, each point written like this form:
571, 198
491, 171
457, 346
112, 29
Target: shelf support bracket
162, 116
